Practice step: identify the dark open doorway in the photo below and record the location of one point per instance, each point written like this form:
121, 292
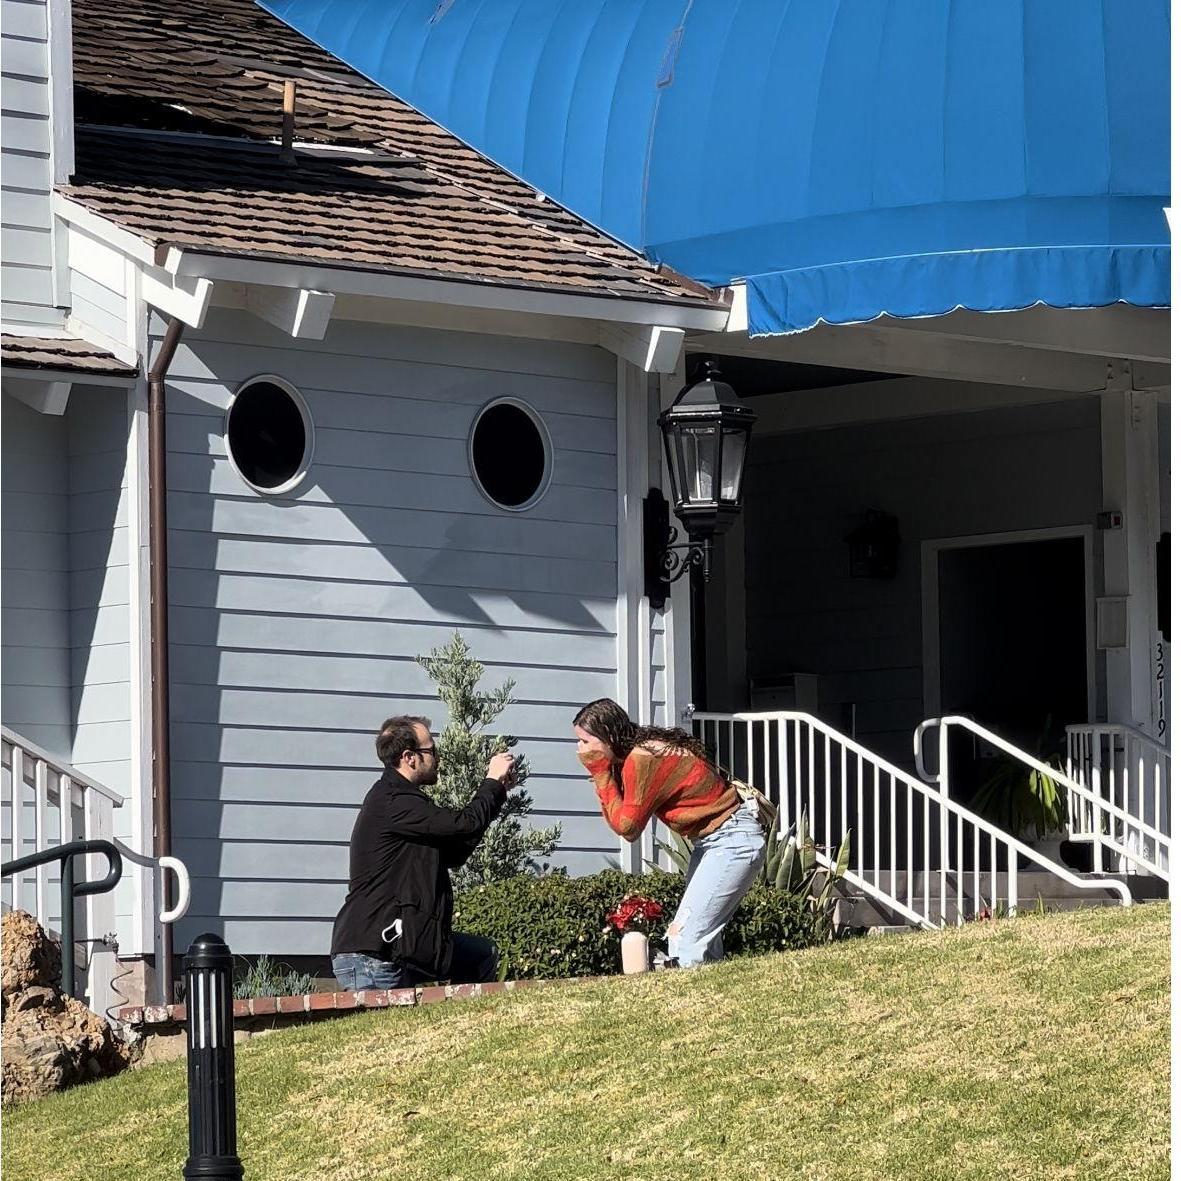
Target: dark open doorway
1012, 645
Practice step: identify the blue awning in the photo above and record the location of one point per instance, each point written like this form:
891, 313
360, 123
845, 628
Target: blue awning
847, 158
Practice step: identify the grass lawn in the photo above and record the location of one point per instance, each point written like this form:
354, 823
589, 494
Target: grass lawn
1033, 1048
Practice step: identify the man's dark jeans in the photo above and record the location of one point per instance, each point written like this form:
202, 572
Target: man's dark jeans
473, 961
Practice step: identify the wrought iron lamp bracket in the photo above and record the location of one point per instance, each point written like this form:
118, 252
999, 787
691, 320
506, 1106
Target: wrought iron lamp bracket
665, 558
696, 553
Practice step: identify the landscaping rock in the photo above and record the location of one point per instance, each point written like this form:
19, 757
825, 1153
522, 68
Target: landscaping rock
30, 957
34, 998
48, 1041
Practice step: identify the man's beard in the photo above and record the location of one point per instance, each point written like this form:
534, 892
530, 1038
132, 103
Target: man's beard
430, 778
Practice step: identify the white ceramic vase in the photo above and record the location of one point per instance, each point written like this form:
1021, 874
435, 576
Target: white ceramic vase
634, 950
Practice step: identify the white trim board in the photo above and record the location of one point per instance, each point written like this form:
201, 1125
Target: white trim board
923, 351
139, 658
369, 309
104, 230
69, 376
930, 550
473, 294
119, 349
633, 633
61, 88
45, 397
654, 348
61, 124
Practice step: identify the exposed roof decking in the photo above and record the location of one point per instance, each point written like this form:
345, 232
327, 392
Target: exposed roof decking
405, 196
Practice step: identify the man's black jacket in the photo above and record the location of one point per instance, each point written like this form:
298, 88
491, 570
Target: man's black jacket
402, 846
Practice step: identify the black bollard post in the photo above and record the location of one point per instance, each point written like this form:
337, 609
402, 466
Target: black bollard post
213, 1117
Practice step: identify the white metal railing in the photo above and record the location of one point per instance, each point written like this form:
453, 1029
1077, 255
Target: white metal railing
1131, 771
1114, 822
45, 802
912, 848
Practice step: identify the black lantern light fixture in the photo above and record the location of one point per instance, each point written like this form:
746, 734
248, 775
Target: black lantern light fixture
706, 433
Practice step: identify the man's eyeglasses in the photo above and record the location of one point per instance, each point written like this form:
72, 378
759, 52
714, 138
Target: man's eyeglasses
425, 750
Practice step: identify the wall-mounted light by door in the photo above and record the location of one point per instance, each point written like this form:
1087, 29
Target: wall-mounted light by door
706, 433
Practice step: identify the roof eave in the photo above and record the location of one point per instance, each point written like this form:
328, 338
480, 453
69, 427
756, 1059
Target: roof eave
241, 267
16, 371
194, 263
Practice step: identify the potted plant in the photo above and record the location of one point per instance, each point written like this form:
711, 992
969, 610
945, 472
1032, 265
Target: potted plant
633, 919
1025, 801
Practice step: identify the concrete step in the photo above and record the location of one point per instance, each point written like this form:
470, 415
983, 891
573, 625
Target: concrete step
1036, 890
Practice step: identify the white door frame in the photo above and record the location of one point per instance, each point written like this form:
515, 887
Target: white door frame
930, 552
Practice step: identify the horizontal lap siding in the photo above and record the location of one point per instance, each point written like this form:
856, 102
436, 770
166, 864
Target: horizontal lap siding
951, 476
295, 620
98, 306
26, 145
34, 577
100, 622
59, 691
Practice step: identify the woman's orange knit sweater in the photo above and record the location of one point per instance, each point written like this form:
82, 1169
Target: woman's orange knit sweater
680, 789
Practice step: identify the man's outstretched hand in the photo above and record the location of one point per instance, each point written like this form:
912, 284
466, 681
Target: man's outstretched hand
502, 768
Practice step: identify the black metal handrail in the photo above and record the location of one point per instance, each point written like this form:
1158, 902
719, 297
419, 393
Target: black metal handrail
71, 889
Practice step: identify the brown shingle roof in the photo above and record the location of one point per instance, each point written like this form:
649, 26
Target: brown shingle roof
64, 354
422, 202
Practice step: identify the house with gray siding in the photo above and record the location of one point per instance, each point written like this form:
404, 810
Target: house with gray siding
389, 287
314, 299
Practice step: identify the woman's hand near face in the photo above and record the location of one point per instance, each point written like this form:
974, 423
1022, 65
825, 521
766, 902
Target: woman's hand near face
588, 744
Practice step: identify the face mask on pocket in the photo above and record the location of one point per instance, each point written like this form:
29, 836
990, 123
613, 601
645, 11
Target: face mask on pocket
396, 928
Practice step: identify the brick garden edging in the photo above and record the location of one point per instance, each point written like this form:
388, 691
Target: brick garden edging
159, 1029
337, 1002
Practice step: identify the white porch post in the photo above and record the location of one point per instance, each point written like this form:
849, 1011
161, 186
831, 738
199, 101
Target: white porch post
633, 617
140, 833
145, 929
674, 644
1131, 485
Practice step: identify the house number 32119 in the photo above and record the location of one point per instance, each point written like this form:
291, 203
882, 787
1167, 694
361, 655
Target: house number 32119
1159, 661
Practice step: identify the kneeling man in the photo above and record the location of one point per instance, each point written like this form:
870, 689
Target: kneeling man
394, 930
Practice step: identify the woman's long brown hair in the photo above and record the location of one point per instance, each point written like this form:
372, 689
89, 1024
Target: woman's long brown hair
608, 721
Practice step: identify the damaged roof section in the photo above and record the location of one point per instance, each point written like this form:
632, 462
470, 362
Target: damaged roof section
377, 186
337, 210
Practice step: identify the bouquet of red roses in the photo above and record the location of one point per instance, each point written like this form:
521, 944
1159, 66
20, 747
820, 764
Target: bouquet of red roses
634, 913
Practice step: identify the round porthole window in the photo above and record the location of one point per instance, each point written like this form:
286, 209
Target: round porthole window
269, 434
510, 454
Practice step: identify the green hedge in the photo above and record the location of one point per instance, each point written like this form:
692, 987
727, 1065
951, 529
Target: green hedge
552, 926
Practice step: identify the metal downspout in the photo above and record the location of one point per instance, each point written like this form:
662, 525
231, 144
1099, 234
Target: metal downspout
158, 560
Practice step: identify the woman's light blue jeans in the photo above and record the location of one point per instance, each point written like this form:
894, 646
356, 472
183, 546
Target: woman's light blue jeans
722, 867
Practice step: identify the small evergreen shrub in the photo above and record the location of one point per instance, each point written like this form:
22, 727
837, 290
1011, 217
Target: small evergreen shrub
509, 847
552, 926
771, 919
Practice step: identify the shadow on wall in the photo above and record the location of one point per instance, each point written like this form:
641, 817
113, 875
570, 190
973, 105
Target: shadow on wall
295, 617
100, 680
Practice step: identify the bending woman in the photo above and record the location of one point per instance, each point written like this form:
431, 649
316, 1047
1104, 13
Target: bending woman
644, 771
